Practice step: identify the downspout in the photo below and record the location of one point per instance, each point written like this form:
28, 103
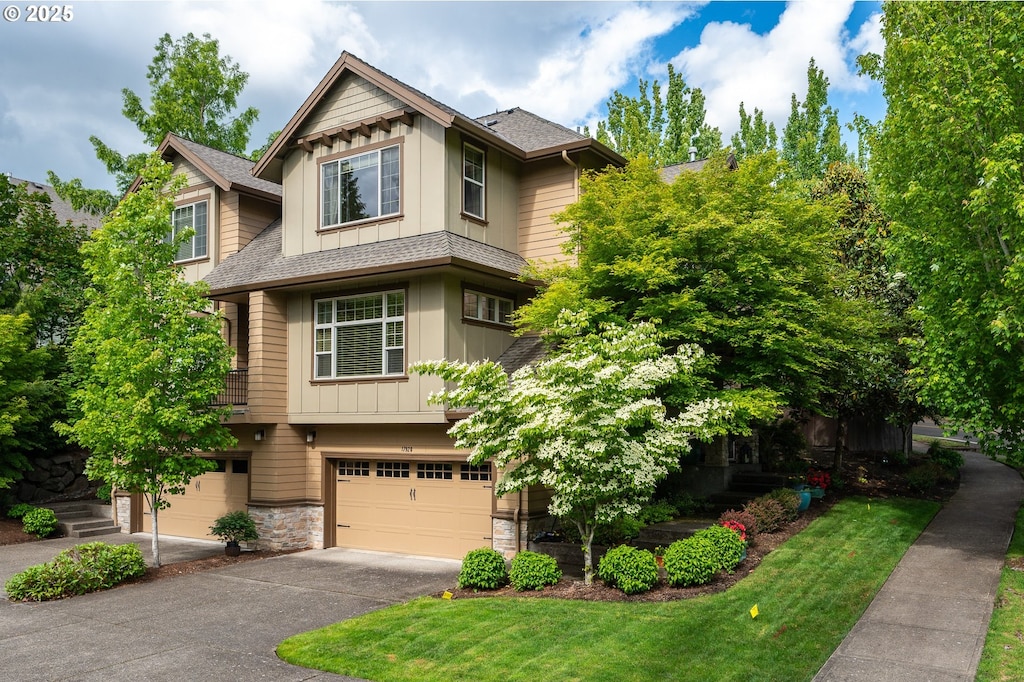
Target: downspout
575, 183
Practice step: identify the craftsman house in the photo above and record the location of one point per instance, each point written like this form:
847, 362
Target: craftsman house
381, 228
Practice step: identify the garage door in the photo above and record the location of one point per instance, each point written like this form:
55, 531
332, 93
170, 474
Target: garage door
428, 508
206, 498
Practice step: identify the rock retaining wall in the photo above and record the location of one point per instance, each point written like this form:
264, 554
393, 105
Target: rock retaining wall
57, 477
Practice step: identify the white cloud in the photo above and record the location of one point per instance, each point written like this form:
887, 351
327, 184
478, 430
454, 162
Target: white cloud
732, 63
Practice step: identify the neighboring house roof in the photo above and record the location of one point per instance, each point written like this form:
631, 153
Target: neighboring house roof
61, 208
227, 171
509, 140
670, 173
526, 350
260, 264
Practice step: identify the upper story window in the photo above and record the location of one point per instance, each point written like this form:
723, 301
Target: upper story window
190, 217
473, 180
360, 336
486, 307
360, 187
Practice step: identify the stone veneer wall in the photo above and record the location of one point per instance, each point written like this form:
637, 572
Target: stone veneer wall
297, 526
123, 503
503, 534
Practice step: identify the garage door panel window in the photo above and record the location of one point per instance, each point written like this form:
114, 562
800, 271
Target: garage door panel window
360, 336
393, 469
473, 472
348, 467
432, 470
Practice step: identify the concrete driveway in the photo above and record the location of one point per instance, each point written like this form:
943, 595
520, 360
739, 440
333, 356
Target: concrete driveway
219, 625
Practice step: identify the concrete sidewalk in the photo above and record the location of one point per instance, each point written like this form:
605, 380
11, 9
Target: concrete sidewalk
929, 620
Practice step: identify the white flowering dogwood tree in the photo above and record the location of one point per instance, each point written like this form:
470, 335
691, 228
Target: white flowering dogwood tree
584, 422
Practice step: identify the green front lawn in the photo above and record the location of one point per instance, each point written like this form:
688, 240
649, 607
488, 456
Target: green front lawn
809, 593
1002, 657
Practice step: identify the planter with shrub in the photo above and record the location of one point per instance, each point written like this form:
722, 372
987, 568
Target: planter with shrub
233, 528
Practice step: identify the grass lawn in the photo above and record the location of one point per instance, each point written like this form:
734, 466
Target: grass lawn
809, 593
1003, 656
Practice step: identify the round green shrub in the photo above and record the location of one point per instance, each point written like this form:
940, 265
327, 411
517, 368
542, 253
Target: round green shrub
789, 499
41, 522
657, 512
483, 569
728, 545
924, 477
533, 571
693, 561
768, 513
78, 570
745, 518
19, 510
630, 569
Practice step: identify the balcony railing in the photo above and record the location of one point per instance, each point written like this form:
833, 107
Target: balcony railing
236, 389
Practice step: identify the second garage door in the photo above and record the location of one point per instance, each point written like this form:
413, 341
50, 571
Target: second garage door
429, 508
206, 498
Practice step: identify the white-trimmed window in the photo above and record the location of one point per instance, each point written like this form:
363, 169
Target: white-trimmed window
473, 181
190, 217
486, 307
360, 187
360, 336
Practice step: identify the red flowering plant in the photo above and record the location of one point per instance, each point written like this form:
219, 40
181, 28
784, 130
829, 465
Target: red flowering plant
819, 479
738, 527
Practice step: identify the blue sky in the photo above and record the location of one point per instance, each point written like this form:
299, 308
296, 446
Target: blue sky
62, 81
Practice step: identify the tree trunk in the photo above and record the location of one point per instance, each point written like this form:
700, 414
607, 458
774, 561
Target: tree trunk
156, 535
842, 425
587, 535
908, 440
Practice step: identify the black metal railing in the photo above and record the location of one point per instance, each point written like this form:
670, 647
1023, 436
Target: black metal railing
236, 389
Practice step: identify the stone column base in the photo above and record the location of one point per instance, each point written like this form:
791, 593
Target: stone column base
294, 526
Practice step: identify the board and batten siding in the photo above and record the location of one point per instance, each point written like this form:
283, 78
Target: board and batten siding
501, 201
379, 401
422, 179
469, 342
546, 188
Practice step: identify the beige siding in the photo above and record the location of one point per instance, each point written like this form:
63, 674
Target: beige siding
422, 179
279, 469
467, 341
241, 219
381, 401
351, 99
268, 356
546, 188
193, 176
501, 182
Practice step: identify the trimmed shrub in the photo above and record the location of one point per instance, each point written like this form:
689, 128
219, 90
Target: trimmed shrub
948, 459
658, 512
789, 499
630, 569
693, 561
768, 513
483, 569
748, 520
19, 510
728, 545
40, 522
533, 571
78, 570
924, 477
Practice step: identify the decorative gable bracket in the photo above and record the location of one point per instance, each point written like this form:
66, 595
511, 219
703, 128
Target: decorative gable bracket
365, 127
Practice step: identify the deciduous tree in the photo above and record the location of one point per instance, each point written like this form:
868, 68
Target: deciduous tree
949, 163
755, 136
149, 359
585, 421
812, 139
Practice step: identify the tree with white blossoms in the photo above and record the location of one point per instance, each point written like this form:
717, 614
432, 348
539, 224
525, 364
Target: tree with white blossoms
585, 421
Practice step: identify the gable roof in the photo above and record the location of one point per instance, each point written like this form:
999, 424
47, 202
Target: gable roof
62, 209
510, 138
228, 171
260, 264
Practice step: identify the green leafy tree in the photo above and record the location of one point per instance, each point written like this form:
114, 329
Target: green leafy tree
755, 136
812, 139
584, 421
660, 130
193, 92
149, 359
41, 283
738, 262
949, 162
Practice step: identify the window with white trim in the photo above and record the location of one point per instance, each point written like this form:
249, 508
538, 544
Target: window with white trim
360, 336
486, 307
190, 217
473, 180
360, 187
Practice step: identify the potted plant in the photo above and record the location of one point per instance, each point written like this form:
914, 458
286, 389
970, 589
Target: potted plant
818, 481
233, 528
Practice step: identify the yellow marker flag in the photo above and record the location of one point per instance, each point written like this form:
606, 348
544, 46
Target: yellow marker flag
754, 611
446, 595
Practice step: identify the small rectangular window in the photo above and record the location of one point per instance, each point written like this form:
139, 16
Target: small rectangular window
474, 472
349, 467
220, 465
393, 469
239, 466
190, 217
486, 307
433, 470
474, 172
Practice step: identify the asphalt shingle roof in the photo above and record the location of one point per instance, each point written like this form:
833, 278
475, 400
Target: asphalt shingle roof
528, 131
260, 265
60, 208
235, 169
526, 350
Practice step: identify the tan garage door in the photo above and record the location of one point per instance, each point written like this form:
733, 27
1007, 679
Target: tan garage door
206, 498
428, 508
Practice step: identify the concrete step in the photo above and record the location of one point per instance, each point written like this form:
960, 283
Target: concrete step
84, 519
93, 532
